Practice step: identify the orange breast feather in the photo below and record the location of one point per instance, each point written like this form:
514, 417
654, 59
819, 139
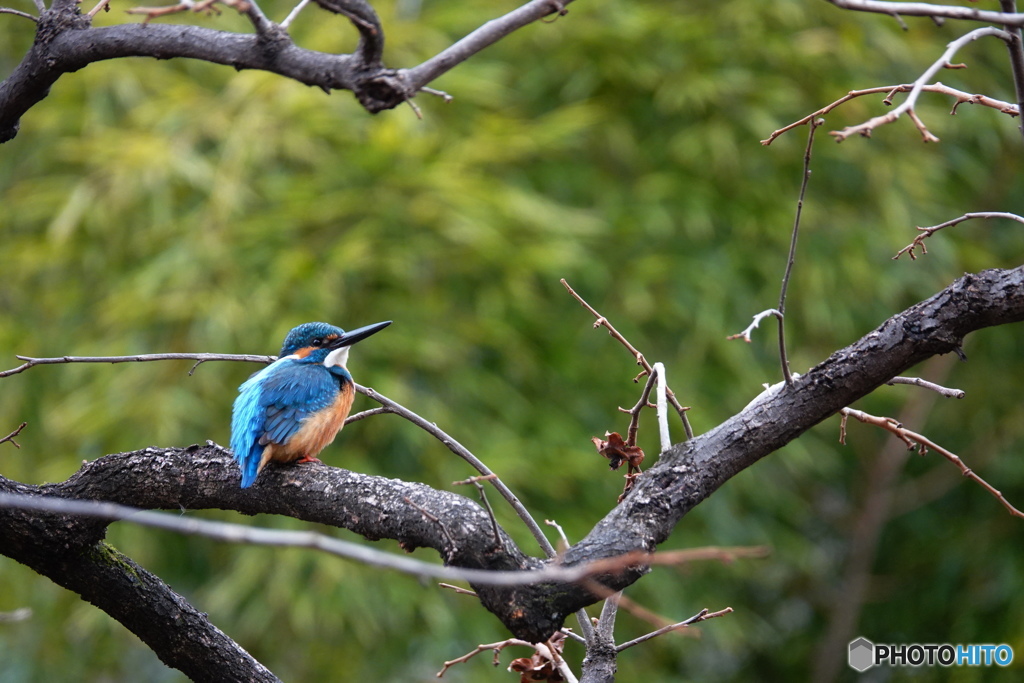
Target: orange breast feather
316, 433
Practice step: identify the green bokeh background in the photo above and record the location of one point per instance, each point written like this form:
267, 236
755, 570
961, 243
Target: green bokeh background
180, 206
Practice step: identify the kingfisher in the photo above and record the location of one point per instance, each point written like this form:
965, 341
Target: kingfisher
292, 409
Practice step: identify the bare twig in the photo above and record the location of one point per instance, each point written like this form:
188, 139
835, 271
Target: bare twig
240, 533
1015, 48
10, 437
362, 415
606, 622
925, 233
703, 615
475, 481
17, 13
457, 589
923, 9
586, 628
546, 657
864, 129
640, 360
560, 530
257, 18
634, 412
294, 13
791, 260
573, 635
726, 555
483, 647
144, 358
433, 518
663, 433
197, 6
922, 444
745, 334
437, 93
464, 453
891, 90
925, 384
101, 6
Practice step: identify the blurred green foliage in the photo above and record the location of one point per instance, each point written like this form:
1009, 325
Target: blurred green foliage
180, 206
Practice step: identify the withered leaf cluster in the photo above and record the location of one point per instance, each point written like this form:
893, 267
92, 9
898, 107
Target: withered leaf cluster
613, 447
541, 666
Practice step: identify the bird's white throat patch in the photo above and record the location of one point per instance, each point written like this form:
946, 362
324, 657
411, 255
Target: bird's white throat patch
337, 357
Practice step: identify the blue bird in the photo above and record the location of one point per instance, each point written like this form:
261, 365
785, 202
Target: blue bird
293, 408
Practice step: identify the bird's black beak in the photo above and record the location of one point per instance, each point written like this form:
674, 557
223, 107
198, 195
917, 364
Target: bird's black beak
352, 336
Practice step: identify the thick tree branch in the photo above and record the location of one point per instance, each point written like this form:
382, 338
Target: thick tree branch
66, 41
690, 472
70, 551
206, 477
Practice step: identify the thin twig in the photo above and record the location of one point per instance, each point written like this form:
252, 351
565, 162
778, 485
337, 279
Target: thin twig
922, 444
483, 647
864, 129
196, 6
745, 334
586, 628
891, 90
294, 13
144, 358
618, 600
606, 622
640, 360
575, 636
925, 233
475, 481
561, 532
663, 433
17, 13
240, 533
10, 437
925, 384
703, 615
457, 589
634, 412
464, 453
362, 415
101, 6
433, 518
1015, 48
924, 9
547, 656
437, 93
257, 18
791, 260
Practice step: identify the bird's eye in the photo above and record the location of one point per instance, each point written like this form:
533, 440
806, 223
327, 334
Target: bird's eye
318, 342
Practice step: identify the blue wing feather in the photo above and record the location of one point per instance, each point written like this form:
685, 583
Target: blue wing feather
272, 405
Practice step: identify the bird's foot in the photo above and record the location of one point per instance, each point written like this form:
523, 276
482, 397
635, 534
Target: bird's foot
309, 458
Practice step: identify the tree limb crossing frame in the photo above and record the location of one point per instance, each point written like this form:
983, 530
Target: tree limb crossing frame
71, 551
